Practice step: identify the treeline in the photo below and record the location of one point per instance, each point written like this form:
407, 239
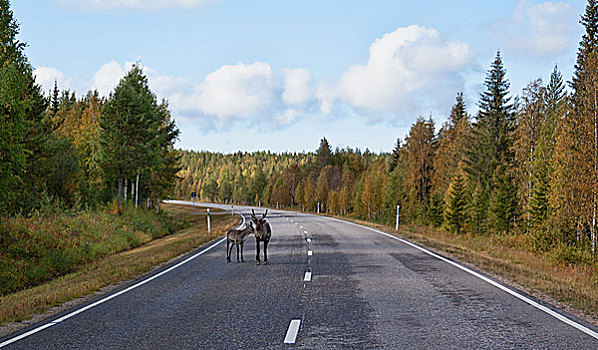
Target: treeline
526, 165
78, 152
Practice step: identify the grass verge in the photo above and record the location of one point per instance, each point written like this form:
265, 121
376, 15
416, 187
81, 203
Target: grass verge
123, 266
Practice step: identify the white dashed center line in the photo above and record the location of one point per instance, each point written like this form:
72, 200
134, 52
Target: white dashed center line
308, 239
292, 332
310, 253
305, 232
307, 277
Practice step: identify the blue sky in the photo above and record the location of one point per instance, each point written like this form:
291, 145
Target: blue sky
280, 75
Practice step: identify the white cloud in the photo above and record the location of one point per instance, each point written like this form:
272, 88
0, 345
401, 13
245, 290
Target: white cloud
298, 86
288, 117
45, 76
410, 70
540, 28
147, 5
107, 77
237, 91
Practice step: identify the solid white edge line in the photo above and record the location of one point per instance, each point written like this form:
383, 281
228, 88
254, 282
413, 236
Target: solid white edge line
85, 308
292, 332
307, 277
486, 279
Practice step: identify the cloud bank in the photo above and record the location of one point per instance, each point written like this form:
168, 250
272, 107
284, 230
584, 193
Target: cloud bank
540, 29
409, 72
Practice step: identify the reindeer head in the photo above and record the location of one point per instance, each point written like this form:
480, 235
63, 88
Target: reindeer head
258, 222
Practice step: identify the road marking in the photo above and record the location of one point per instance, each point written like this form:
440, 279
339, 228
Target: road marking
292, 332
300, 226
486, 279
101, 301
308, 239
310, 253
307, 277
305, 232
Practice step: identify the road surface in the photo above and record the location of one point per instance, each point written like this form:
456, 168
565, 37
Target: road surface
329, 284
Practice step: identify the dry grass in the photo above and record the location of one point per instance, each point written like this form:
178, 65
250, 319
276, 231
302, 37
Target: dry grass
571, 287
115, 268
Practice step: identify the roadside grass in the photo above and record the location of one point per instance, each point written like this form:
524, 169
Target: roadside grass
92, 276
573, 287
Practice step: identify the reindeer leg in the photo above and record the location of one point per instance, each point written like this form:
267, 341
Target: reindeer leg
237, 252
242, 251
257, 249
227, 251
266, 252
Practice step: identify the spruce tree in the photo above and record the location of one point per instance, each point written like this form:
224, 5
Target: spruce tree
22, 132
396, 154
588, 44
453, 144
542, 168
492, 147
55, 103
455, 213
323, 155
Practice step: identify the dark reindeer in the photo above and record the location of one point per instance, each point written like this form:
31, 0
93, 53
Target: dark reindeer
237, 237
262, 234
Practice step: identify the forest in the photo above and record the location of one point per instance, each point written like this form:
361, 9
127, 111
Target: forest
60, 150
522, 165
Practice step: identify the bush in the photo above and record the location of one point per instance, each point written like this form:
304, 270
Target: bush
49, 244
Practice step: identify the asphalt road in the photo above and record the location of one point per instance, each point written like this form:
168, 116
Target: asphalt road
366, 291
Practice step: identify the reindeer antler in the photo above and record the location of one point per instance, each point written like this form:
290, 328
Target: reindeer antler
253, 213
265, 213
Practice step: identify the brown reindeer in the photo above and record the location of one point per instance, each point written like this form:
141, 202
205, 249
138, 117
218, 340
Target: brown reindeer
262, 234
237, 237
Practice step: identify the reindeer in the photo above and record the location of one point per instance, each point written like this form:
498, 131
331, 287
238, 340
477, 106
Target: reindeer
237, 237
262, 233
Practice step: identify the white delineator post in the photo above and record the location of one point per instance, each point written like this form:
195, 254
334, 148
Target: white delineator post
208, 218
398, 211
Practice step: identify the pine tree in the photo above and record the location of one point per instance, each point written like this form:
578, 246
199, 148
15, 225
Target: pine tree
455, 213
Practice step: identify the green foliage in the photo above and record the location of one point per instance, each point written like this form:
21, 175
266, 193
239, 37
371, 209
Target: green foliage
455, 214
38, 248
491, 144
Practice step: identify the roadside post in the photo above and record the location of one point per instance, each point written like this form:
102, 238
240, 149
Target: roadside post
208, 218
318, 207
232, 210
193, 195
398, 211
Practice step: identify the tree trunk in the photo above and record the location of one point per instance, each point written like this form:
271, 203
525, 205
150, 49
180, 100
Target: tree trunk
120, 191
137, 189
126, 181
